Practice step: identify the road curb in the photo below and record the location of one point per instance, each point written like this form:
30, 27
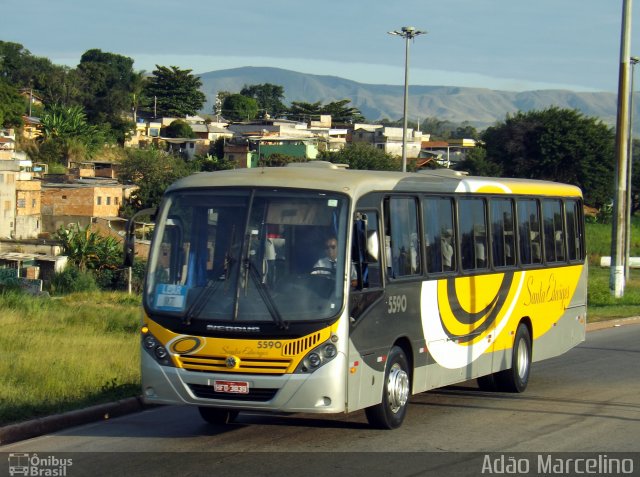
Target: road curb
37, 427
45, 425
599, 325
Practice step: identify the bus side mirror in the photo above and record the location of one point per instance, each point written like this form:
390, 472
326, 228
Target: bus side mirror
130, 235
373, 249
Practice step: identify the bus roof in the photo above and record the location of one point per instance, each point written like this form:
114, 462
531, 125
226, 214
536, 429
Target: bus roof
320, 175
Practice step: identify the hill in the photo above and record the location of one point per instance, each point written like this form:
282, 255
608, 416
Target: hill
479, 106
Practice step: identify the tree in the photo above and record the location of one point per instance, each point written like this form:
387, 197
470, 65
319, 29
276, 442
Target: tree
12, 106
87, 249
152, 171
362, 156
67, 135
238, 107
268, 96
303, 111
53, 83
175, 92
476, 163
340, 112
556, 144
106, 81
138, 81
179, 128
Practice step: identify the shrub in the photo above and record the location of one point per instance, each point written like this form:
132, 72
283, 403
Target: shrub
72, 280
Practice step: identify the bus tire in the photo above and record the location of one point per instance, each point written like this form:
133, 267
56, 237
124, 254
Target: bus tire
217, 416
390, 413
516, 378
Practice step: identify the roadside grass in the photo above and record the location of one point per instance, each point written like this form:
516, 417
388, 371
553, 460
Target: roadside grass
66, 353
82, 349
602, 305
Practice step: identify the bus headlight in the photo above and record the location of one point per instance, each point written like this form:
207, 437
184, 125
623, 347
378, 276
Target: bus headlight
317, 357
149, 342
314, 360
330, 351
152, 346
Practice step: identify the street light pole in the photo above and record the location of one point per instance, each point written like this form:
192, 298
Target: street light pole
408, 33
634, 60
616, 278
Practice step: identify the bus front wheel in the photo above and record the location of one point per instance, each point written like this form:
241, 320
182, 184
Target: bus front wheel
390, 413
217, 416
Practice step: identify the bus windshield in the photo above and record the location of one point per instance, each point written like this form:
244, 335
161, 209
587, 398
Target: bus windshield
248, 255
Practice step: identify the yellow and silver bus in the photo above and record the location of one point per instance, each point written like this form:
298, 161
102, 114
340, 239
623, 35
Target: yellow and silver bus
435, 278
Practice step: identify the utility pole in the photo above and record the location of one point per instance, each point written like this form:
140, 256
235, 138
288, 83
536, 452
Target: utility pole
627, 246
408, 33
616, 279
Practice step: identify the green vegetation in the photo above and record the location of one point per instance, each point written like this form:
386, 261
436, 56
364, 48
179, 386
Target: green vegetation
67, 353
602, 305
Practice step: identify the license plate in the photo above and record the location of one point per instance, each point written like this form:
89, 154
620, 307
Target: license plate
231, 387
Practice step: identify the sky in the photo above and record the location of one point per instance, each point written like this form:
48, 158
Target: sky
513, 45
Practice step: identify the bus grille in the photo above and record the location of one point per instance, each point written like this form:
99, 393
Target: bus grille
255, 394
247, 365
299, 346
217, 363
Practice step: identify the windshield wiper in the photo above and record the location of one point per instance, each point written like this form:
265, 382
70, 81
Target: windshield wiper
266, 296
205, 293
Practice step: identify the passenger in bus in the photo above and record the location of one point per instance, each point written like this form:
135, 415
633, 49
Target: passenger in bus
446, 249
327, 264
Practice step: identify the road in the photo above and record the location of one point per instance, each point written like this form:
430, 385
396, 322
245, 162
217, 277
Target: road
587, 400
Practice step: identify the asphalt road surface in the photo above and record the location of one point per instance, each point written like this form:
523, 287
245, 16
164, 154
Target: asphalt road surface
587, 401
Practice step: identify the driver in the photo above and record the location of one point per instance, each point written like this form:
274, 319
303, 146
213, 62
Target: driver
327, 264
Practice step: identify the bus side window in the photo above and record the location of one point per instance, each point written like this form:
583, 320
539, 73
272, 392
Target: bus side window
473, 233
401, 226
502, 235
529, 231
366, 256
575, 234
553, 230
439, 239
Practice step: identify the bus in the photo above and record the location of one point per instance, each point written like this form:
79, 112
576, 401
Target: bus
437, 278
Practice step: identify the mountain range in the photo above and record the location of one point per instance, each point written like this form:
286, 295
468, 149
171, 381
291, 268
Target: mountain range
479, 107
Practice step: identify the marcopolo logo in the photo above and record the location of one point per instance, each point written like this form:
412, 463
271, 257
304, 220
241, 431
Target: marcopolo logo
34, 465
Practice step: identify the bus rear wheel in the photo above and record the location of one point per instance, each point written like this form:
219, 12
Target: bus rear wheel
217, 416
390, 413
515, 380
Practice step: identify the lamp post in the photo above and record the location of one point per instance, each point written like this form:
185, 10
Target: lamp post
633, 60
408, 33
617, 278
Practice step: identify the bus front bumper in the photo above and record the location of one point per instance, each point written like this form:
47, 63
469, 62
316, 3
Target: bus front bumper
322, 391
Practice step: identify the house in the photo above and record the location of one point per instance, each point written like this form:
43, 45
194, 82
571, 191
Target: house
28, 217
8, 172
32, 127
144, 133
7, 144
448, 152
388, 139
80, 202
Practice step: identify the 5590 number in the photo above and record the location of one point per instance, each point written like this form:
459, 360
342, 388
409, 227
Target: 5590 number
397, 304
269, 344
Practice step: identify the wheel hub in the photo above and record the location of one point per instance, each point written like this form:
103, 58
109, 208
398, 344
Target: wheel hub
398, 388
